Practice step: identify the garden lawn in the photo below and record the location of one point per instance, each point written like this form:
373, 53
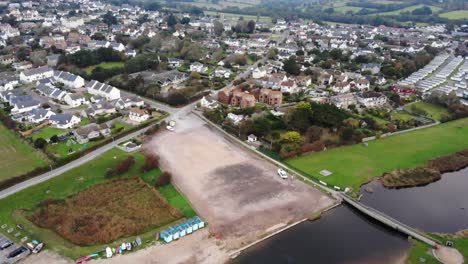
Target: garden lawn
104, 65
433, 111
401, 115
16, 157
459, 14
47, 132
354, 165
60, 187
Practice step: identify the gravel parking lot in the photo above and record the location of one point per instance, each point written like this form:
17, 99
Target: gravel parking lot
237, 193
4, 253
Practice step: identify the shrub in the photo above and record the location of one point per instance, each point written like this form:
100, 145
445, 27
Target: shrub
40, 143
151, 162
124, 165
164, 179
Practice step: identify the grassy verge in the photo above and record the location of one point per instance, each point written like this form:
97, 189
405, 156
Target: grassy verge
14, 207
354, 165
16, 157
459, 14
420, 251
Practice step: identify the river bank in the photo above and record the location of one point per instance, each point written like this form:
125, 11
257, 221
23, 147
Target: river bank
424, 175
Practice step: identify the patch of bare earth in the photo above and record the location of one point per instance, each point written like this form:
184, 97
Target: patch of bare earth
236, 192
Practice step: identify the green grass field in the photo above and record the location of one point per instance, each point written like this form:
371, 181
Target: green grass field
16, 157
459, 14
70, 183
434, 9
104, 65
401, 115
236, 16
433, 111
354, 165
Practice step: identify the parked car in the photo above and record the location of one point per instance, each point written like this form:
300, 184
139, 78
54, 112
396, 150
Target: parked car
15, 253
5, 244
282, 173
170, 128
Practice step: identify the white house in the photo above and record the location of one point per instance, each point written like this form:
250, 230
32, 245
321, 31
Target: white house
69, 79
289, 87
174, 62
75, 100
341, 87
36, 74
208, 102
138, 115
198, 67
64, 121
258, 73
117, 46
362, 84
222, 72
24, 106
371, 99
102, 89
8, 81
38, 115
235, 119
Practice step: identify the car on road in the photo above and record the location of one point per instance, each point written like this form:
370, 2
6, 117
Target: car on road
15, 253
282, 173
170, 128
5, 244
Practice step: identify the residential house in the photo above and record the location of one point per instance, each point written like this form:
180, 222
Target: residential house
341, 87
325, 79
198, 67
222, 72
371, 99
174, 62
343, 100
289, 86
39, 115
270, 97
127, 102
138, 115
64, 121
258, 73
7, 59
22, 66
36, 74
102, 89
100, 108
374, 68
208, 102
69, 79
8, 81
234, 119
51, 92
75, 100
363, 84
52, 60
91, 131
23, 105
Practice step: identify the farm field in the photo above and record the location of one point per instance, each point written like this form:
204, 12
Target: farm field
434, 9
236, 16
459, 14
206, 4
433, 111
104, 65
16, 157
17, 208
354, 165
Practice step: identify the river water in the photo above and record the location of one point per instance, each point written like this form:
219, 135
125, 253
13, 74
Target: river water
441, 206
343, 235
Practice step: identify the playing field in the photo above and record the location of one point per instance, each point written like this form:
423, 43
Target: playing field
354, 165
433, 111
16, 157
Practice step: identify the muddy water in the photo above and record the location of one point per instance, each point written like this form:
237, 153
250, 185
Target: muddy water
342, 235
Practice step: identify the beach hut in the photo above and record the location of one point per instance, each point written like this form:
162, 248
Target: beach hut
166, 236
199, 221
189, 227
183, 230
175, 233
193, 224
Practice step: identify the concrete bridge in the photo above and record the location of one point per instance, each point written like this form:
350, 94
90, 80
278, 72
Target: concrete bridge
387, 220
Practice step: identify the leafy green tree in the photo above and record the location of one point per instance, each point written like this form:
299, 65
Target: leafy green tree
171, 20
40, 143
109, 18
291, 66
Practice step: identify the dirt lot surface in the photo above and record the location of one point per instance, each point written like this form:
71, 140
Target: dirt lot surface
237, 193
46, 257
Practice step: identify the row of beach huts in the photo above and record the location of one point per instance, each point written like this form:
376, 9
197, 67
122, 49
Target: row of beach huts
181, 230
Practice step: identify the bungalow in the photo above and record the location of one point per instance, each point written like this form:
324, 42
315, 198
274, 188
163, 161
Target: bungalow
117, 46
22, 66
91, 131
64, 121
138, 115
198, 67
371, 99
343, 100
126, 102
8, 81
75, 100
36, 74
50, 92
234, 119
104, 90
258, 73
208, 102
69, 79
23, 104
325, 78
99, 109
